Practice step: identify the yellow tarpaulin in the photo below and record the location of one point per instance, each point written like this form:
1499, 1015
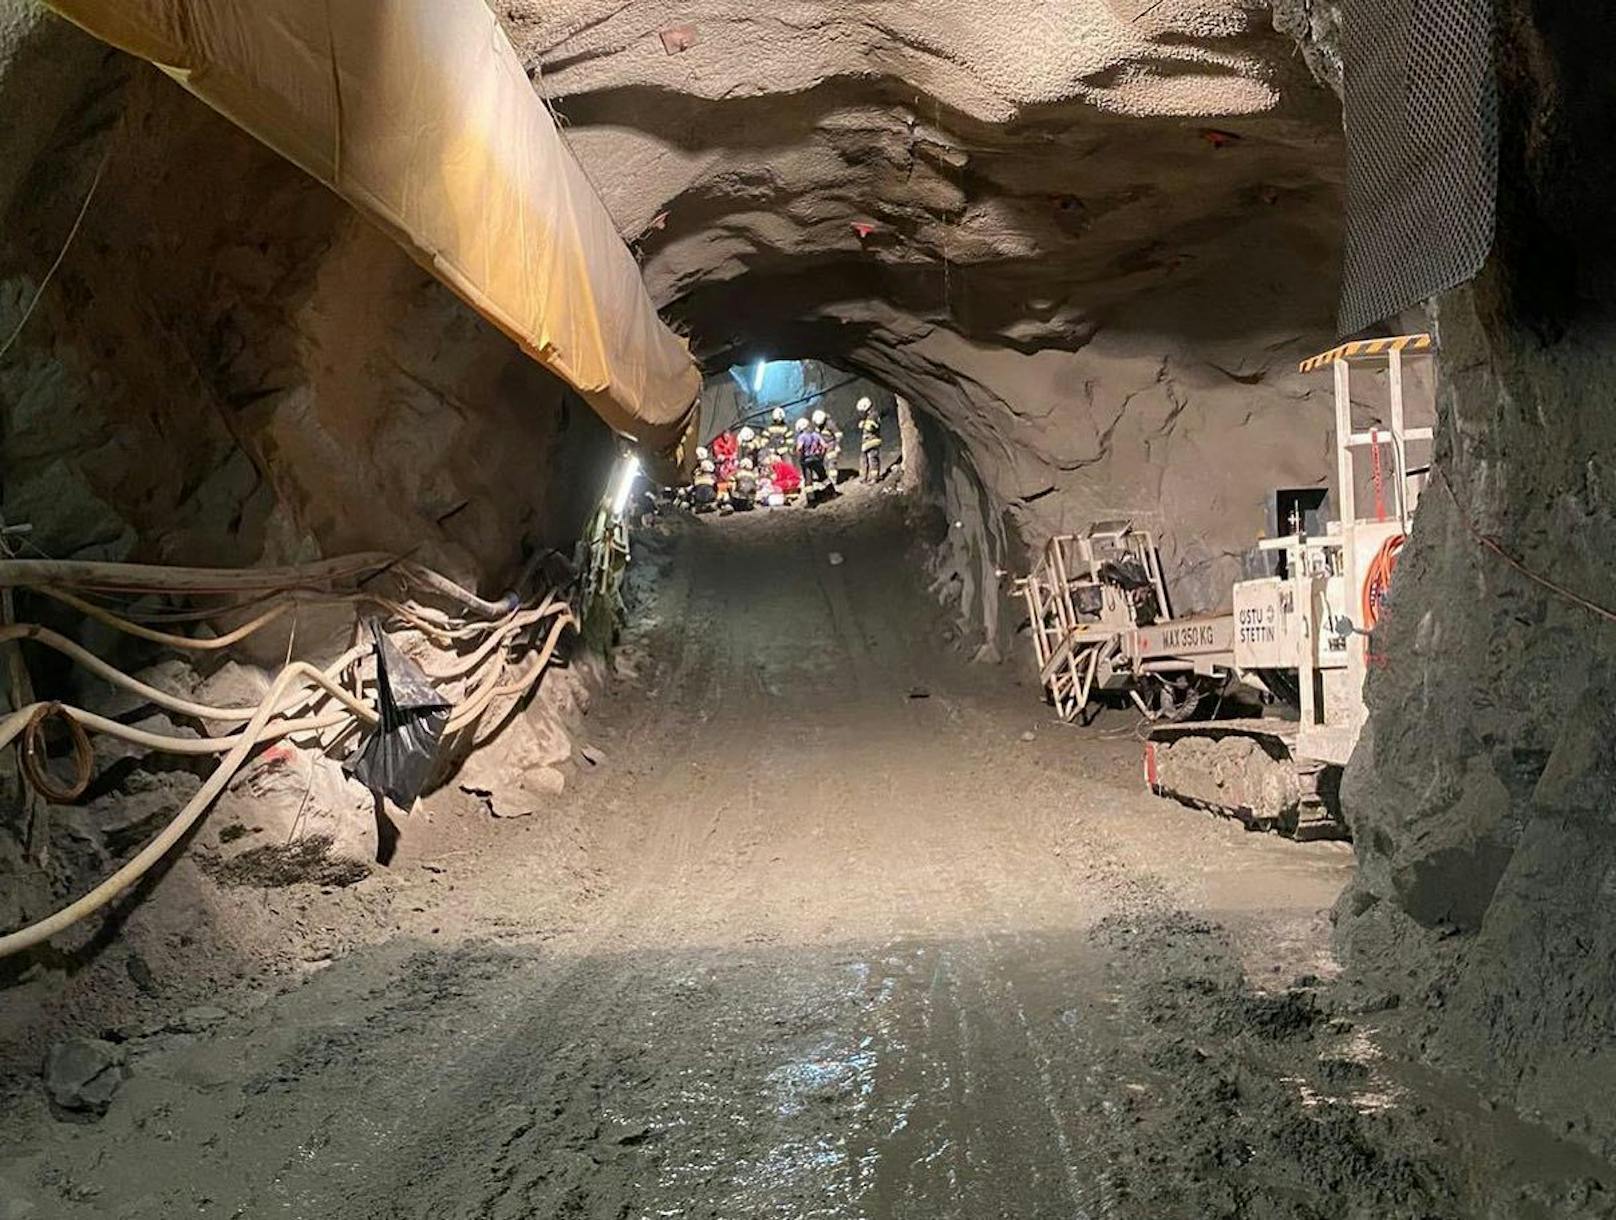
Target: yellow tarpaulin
419, 113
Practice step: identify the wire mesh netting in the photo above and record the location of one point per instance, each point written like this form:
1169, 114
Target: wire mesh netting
1422, 152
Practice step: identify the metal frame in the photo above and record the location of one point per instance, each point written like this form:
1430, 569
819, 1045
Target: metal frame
1309, 621
1071, 645
1326, 732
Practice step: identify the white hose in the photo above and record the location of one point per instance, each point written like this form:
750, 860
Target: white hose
163, 637
51, 577
15, 722
258, 730
167, 743
152, 694
441, 584
101, 895
470, 709
421, 619
501, 633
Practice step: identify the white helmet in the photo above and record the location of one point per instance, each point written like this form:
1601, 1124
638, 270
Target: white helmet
746, 434
802, 425
778, 415
701, 453
864, 404
819, 419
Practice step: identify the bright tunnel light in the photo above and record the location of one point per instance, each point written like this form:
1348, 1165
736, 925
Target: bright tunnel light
627, 471
757, 377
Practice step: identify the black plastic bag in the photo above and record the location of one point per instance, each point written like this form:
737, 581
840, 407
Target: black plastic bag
397, 758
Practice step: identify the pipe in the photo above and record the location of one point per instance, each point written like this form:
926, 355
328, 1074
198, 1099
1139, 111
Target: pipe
439, 583
418, 618
164, 743
152, 578
504, 632
174, 614
164, 637
203, 711
46, 576
36, 933
15, 722
474, 707
42, 930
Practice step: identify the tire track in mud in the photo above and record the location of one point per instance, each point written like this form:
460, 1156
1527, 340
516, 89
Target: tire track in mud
391, 1143
525, 1170
855, 963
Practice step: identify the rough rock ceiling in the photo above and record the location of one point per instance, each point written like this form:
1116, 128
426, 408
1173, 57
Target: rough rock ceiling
1018, 167
1086, 237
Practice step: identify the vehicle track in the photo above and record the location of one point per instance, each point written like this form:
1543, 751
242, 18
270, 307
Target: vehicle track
862, 953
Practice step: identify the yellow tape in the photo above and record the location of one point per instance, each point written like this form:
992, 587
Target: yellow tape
1369, 347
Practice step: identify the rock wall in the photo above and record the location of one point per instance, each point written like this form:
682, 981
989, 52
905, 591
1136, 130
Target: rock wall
229, 367
1091, 250
1480, 795
970, 543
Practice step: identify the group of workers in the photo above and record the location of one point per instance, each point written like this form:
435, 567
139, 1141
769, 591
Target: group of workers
770, 466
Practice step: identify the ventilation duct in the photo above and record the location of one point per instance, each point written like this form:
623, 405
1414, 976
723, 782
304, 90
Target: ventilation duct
419, 114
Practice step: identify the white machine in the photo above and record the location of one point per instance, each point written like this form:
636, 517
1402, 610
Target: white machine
1302, 637
1101, 622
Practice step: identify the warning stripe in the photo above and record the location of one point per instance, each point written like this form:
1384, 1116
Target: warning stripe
1369, 347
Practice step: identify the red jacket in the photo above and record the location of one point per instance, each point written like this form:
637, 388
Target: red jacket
785, 476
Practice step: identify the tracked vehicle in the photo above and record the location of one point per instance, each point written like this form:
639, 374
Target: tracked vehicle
1295, 643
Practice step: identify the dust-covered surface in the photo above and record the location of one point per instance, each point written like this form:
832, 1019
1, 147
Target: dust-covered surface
227, 368
1481, 794
294, 864
833, 939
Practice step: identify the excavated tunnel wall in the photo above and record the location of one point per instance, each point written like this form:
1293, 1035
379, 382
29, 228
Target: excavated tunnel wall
1481, 795
230, 368
1094, 300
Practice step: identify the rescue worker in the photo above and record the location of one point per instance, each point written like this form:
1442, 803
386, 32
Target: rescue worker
833, 443
743, 492
704, 486
869, 426
722, 452
810, 460
777, 436
746, 444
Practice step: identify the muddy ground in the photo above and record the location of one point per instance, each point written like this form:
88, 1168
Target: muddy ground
840, 926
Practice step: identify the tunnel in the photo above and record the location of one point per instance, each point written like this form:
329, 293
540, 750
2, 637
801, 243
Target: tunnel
1151, 758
